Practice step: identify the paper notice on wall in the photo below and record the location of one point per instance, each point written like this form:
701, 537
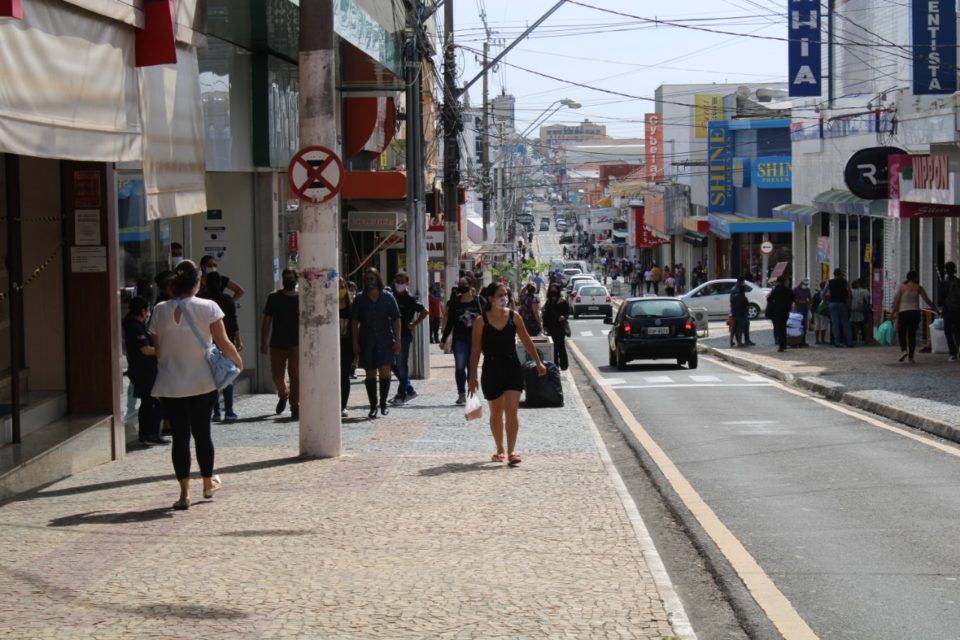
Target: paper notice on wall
88, 259
87, 227
220, 253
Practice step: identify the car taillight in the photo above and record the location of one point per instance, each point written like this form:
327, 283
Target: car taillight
626, 328
688, 327
608, 298
578, 298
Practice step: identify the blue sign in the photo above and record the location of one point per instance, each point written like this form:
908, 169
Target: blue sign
804, 48
719, 168
934, 46
772, 172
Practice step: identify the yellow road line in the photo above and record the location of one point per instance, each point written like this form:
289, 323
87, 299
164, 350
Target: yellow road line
760, 586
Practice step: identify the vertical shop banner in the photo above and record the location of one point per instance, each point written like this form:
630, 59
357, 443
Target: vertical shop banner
934, 46
719, 168
804, 50
706, 108
654, 146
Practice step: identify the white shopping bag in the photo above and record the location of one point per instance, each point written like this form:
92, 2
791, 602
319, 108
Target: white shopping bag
473, 410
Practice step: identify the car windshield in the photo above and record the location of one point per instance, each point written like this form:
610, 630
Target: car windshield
593, 291
655, 309
571, 272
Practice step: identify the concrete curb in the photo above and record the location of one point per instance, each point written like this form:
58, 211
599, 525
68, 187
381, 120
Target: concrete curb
836, 392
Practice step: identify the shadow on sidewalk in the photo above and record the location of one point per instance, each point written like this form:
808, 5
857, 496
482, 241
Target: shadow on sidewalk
461, 467
104, 517
116, 484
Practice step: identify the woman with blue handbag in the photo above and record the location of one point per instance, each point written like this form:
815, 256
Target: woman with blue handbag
184, 331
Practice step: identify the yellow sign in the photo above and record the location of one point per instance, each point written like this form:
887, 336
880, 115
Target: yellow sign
706, 107
868, 253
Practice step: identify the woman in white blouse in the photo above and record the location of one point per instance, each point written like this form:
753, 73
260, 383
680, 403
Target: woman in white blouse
184, 382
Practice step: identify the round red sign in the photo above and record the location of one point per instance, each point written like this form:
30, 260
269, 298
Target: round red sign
315, 174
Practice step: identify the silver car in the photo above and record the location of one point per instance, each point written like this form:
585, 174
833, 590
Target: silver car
714, 296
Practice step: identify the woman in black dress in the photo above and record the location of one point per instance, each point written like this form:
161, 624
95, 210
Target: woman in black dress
554, 315
494, 334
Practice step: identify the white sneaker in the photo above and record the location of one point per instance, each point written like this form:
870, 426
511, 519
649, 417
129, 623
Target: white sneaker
952, 359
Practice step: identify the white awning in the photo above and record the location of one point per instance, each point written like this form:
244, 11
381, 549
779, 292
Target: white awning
69, 86
173, 140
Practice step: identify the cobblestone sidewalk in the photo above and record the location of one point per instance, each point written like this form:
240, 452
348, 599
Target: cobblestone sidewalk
410, 534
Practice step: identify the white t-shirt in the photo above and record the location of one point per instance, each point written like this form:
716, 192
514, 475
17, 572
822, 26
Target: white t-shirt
182, 368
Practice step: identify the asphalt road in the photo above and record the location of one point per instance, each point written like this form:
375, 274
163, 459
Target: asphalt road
853, 520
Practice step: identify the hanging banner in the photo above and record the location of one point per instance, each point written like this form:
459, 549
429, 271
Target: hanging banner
805, 74
934, 47
654, 146
706, 108
719, 168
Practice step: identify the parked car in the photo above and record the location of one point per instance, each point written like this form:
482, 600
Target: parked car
652, 329
545, 224
714, 296
591, 298
566, 239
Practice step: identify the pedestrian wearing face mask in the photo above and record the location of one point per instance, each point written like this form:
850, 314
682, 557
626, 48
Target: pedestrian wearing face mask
463, 309
280, 337
555, 314
412, 313
495, 335
208, 265
376, 337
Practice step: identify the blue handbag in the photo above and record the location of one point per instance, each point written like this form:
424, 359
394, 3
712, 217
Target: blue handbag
223, 368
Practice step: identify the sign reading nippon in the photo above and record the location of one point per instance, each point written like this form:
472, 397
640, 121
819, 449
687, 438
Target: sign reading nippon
804, 48
934, 46
719, 168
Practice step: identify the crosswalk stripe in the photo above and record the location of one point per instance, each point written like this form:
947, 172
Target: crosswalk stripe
658, 379
705, 378
678, 385
586, 334
753, 378
605, 332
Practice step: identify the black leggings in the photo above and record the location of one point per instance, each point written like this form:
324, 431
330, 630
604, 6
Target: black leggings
560, 351
191, 415
907, 323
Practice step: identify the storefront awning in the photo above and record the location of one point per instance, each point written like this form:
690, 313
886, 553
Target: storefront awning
727, 224
799, 213
694, 238
843, 202
697, 224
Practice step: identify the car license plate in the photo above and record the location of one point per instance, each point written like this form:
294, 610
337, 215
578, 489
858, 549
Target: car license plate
593, 308
658, 331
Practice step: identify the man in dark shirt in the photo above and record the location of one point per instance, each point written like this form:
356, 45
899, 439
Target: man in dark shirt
280, 337
838, 296
142, 370
412, 313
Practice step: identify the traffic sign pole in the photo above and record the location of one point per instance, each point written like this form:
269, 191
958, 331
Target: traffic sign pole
312, 175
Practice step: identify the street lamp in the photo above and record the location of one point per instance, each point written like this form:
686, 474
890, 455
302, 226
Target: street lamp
544, 116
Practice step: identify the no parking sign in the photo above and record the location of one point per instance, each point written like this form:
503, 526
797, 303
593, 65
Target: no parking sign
315, 174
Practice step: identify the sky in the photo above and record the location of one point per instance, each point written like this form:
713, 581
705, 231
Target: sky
621, 53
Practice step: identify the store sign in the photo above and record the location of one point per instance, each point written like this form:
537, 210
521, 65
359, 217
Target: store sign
741, 172
719, 168
773, 172
934, 46
707, 107
654, 146
866, 173
371, 221
804, 48
435, 244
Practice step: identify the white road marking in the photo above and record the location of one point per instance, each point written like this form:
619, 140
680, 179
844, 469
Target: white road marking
658, 379
749, 422
605, 332
705, 378
586, 334
611, 381
698, 385
753, 378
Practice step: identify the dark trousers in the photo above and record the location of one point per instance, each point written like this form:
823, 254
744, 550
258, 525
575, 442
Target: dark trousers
401, 366
560, 351
951, 330
780, 329
227, 401
346, 370
461, 359
840, 324
435, 330
148, 418
907, 323
191, 416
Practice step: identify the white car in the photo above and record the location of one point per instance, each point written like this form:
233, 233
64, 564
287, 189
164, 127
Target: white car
592, 298
714, 296
580, 277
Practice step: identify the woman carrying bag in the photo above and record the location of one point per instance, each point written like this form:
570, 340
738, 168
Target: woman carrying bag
906, 313
183, 330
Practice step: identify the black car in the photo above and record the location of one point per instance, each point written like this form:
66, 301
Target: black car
652, 329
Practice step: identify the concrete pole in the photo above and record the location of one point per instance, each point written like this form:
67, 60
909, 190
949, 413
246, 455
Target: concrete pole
416, 214
319, 234
452, 125
485, 147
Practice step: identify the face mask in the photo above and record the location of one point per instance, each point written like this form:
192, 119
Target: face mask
211, 270
463, 288
503, 301
289, 285
400, 287
175, 260
370, 284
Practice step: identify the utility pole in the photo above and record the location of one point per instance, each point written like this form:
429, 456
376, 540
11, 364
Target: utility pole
485, 147
319, 350
452, 125
416, 215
